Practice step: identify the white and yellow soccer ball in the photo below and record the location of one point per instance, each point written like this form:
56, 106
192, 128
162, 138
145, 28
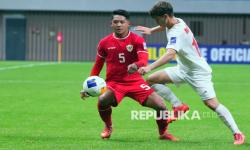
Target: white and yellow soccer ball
94, 86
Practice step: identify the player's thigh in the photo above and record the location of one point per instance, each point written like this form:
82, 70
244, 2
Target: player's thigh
107, 98
204, 87
138, 91
119, 91
155, 101
159, 77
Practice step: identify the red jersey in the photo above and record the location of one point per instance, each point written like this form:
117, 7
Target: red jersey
118, 54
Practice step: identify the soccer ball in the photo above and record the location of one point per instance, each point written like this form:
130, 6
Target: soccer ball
94, 86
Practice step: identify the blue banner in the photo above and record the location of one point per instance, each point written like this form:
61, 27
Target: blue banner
214, 54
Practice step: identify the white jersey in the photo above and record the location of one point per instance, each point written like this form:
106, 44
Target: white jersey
189, 59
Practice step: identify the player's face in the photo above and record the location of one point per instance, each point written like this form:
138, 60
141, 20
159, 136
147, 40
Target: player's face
162, 20
120, 25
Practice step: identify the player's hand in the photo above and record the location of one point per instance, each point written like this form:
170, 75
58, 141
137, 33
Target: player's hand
144, 70
143, 30
132, 68
83, 94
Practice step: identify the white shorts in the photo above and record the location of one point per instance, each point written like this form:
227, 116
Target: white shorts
201, 83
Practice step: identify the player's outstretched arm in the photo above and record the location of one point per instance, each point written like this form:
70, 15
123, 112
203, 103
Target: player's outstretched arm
142, 61
169, 55
148, 31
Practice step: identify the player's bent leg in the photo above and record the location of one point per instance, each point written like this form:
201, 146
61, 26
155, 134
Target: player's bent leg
106, 100
159, 77
227, 118
156, 102
157, 81
179, 108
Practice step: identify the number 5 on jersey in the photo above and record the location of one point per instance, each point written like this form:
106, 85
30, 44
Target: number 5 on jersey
121, 58
145, 87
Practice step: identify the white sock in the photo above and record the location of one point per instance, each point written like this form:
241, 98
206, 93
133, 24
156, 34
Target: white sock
167, 94
227, 118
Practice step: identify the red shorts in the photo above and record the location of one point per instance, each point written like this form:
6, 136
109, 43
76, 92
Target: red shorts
138, 91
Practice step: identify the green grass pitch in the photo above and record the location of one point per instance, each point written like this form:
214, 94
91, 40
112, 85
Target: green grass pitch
40, 109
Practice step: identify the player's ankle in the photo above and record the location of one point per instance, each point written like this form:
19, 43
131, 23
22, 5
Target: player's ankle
109, 126
177, 104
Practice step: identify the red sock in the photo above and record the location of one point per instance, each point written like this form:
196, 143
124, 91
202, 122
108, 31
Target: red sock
105, 114
162, 123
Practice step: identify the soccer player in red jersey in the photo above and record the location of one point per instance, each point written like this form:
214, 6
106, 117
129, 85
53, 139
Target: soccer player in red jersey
124, 52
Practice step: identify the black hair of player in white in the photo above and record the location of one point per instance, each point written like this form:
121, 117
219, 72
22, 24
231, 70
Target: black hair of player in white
161, 8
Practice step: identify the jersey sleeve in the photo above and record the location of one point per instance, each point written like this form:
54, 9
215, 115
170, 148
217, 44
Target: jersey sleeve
142, 52
100, 59
100, 50
99, 62
174, 41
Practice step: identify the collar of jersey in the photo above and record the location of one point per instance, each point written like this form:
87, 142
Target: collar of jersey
121, 38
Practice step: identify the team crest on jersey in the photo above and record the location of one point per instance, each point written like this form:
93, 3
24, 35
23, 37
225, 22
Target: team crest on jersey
129, 47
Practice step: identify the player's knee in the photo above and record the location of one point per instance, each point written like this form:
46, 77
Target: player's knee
106, 101
103, 101
154, 79
211, 103
150, 81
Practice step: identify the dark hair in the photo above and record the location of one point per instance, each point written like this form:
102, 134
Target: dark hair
121, 12
161, 8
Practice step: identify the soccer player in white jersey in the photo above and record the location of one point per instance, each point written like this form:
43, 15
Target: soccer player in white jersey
191, 66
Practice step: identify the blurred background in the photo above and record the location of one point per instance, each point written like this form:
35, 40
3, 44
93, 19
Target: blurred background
29, 29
